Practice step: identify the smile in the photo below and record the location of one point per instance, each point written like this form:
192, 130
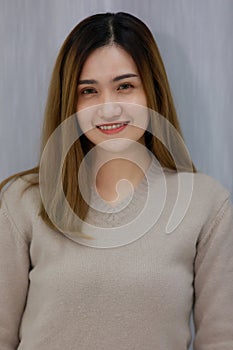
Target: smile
112, 128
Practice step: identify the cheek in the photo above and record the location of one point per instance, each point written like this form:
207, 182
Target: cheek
139, 114
85, 120
141, 122
140, 98
85, 103
135, 133
144, 100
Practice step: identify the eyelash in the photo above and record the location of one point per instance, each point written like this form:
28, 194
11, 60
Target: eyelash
89, 91
125, 84
83, 92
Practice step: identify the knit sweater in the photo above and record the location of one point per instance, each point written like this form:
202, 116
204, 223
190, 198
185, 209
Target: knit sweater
133, 293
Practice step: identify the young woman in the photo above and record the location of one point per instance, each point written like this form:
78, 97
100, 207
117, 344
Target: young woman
114, 173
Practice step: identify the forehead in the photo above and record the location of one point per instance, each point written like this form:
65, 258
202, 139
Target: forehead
108, 60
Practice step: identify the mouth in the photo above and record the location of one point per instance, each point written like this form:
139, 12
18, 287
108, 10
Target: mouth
112, 128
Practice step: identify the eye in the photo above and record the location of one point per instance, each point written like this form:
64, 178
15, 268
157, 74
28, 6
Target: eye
88, 91
125, 86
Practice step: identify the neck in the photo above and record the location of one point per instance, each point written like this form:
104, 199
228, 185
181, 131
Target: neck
117, 174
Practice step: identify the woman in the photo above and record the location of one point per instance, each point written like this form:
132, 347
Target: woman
111, 165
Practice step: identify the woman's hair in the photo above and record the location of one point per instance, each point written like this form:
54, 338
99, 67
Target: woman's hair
131, 34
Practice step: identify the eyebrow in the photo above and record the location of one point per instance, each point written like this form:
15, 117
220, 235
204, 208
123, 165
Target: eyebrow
119, 77
124, 76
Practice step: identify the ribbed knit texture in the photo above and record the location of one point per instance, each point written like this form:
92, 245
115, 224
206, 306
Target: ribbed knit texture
59, 294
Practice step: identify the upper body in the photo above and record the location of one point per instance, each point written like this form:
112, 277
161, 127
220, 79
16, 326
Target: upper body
57, 293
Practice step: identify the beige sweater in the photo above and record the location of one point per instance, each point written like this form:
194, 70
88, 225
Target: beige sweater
58, 294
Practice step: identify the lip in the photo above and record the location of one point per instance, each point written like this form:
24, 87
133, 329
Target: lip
113, 130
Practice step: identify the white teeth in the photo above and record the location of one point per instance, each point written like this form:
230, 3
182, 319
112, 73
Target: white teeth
110, 127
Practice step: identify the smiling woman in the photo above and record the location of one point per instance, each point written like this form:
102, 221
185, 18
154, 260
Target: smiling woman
110, 79
113, 171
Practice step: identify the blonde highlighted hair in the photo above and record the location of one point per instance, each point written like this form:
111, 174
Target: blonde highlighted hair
131, 34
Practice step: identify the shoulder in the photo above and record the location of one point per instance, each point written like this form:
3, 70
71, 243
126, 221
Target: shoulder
20, 201
208, 190
20, 189
202, 187
210, 200
201, 197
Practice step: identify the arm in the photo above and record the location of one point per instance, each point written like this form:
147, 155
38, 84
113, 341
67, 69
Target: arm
213, 284
14, 268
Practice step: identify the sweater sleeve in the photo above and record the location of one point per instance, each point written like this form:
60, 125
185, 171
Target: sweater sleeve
14, 269
213, 283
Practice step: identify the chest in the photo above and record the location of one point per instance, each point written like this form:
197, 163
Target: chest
154, 267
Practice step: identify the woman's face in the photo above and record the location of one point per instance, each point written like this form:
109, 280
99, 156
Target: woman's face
111, 85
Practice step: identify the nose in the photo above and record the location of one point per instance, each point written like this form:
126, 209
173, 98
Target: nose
109, 110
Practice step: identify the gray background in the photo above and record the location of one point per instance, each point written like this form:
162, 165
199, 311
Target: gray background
195, 40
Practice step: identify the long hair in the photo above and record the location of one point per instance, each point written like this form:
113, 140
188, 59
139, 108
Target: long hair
131, 34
